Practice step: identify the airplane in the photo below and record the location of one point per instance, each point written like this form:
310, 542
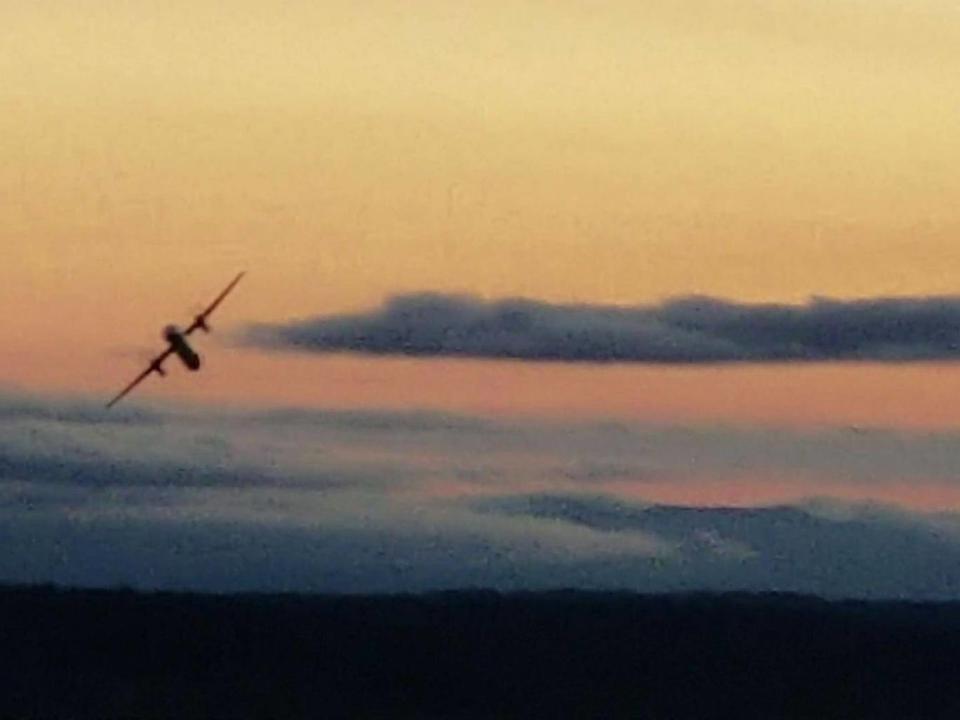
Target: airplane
177, 344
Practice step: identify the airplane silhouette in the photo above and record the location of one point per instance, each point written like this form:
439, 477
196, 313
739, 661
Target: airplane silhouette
177, 344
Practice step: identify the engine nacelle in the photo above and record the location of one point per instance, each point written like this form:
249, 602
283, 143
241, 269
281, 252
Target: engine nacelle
201, 322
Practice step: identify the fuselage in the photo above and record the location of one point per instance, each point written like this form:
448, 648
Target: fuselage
179, 345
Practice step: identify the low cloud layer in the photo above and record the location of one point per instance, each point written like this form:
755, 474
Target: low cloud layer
684, 330
356, 501
820, 548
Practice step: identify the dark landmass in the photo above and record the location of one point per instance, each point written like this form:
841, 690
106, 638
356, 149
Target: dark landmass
474, 654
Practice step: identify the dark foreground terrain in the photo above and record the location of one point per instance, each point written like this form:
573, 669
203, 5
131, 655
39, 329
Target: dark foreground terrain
86, 654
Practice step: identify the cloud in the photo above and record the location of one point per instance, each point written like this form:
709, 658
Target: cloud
384, 501
827, 549
511, 542
412, 451
684, 330
20, 406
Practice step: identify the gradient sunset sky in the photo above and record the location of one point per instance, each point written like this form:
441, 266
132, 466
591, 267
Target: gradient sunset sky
606, 153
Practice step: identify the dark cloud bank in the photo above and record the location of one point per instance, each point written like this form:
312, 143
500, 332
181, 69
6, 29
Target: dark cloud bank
684, 330
336, 502
816, 547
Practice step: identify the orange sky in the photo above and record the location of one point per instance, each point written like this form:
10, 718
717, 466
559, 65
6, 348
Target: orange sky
613, 152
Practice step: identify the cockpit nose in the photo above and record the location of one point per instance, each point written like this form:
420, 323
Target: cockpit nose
170, 332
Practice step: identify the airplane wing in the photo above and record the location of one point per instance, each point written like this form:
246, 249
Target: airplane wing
200, 321
153, 367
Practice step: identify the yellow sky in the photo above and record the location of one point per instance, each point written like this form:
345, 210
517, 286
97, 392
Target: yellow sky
573, 151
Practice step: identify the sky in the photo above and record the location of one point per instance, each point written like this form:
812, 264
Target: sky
726, 226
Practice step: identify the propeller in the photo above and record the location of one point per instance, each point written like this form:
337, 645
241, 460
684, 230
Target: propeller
146, 357
196, 311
